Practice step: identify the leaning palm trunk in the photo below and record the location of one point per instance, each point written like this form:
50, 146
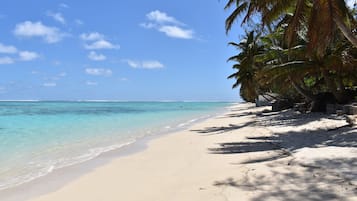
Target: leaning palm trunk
307, 94
346, 31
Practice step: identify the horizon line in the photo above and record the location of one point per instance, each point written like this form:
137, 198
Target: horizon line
94, 100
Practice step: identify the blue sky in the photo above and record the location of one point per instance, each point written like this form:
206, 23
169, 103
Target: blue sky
115, 50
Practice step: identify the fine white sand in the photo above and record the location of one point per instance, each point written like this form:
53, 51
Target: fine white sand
245, 154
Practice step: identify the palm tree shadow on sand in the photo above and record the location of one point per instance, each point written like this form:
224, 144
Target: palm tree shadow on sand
308, 183
291, 141
314, 181
285, 143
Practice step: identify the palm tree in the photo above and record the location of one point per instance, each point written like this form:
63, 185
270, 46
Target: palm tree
332, 73
246, 66
319, 17
284, 69
249, 7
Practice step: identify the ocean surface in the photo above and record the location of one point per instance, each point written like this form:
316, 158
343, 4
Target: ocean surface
37, 138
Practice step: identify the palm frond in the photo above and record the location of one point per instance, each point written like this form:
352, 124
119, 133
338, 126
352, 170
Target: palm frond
296, 21
233, 17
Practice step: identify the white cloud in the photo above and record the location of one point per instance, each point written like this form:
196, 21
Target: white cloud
176, 32
152, 64
7, 49
37, 29
90, 83
166, 24
98, 71
124, 79
23, 55
101, 44
133, 64
49, 84
149, 64
28, 56
97, 41
6, 60
91, 36
161, 17
57, 16
96, 57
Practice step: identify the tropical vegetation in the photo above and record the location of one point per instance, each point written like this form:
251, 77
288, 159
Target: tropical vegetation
303, 50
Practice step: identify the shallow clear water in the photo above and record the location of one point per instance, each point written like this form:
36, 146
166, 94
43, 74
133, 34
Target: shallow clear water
39, 137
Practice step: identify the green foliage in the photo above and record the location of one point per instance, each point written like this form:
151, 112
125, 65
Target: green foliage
310, 81
246, 66
302, 49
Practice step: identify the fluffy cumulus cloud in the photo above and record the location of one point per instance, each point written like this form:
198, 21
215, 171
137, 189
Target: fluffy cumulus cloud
101, 44
98, 71
176, 32
37, 29
149, 64
28, 56
96, 57
161, 17
11, 50
97, 41
164, 23
7, 49
6, 60
57, 17
152, 64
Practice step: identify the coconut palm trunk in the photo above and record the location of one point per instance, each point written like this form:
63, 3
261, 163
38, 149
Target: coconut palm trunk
307, 94
346, 31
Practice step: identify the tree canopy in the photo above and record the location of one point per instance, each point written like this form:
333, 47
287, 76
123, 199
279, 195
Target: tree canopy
303, 50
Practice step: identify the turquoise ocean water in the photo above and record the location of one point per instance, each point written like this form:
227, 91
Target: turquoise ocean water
37, 138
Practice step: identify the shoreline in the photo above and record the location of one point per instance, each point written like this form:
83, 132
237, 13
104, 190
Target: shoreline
247, 153
62, 176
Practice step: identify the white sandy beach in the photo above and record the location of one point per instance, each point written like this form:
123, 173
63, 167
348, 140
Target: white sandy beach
242, 155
